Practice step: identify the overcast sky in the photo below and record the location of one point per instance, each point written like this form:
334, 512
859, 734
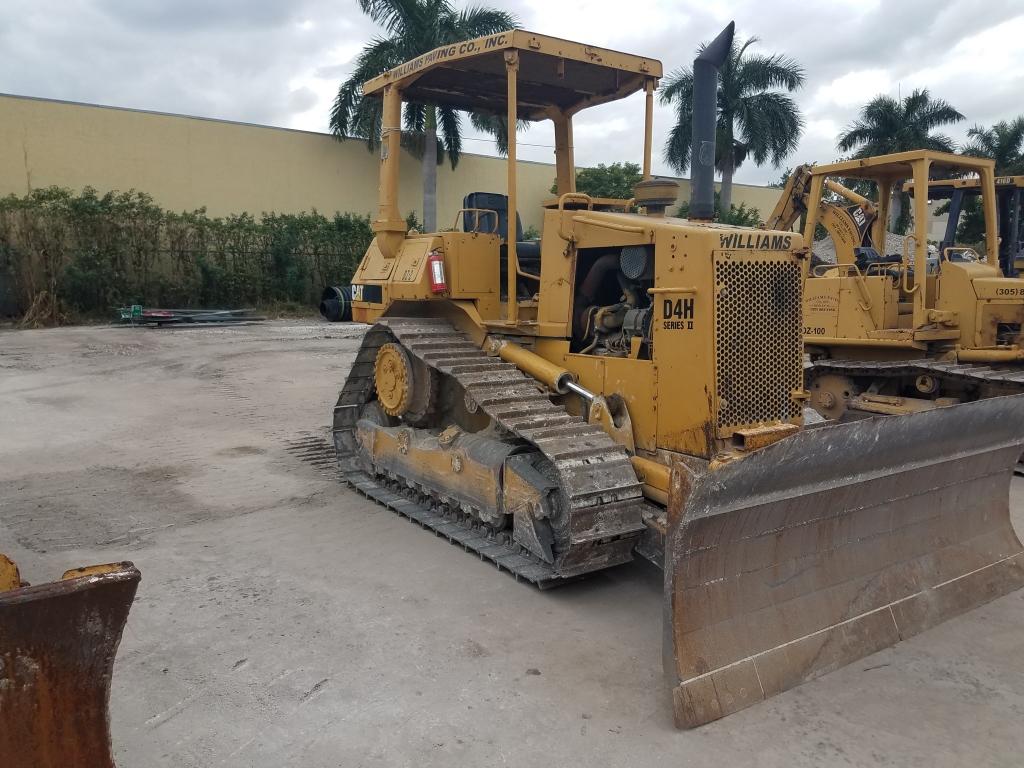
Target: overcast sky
278, 62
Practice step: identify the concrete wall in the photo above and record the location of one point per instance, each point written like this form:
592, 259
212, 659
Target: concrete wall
187, 163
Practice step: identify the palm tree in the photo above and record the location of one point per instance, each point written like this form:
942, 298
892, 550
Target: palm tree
756, 118
412, 28
887, 125
1003, 142
497, 126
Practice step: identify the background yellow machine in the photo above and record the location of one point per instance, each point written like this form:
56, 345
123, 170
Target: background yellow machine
882, 339
1009, 205
632, 382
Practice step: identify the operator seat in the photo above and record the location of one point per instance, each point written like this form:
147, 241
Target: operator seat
528, 251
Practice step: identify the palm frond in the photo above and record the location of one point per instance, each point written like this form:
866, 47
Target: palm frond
762, 73
349, 115
477, 21
680, 139
497, 127
886, 125
399, 17
755, 120
449, 126
677, 85
770, 126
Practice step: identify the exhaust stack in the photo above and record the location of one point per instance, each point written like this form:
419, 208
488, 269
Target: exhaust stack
705, 115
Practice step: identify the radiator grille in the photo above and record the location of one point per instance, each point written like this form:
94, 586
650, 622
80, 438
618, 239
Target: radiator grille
758, 341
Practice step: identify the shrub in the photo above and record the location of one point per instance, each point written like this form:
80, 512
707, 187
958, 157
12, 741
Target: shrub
737, 216
88, 253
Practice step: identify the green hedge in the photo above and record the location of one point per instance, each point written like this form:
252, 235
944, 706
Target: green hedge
66, 255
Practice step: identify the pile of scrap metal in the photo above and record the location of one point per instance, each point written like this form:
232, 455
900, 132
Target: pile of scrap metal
336, 304
57, 646
136, 314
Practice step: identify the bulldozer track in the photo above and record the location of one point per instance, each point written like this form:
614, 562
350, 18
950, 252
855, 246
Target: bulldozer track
1008, 376
599, 483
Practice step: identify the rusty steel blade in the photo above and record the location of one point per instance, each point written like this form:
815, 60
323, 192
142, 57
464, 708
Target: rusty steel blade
832, 544
57, 646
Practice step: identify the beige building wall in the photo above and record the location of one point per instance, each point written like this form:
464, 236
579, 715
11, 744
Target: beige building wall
186, 163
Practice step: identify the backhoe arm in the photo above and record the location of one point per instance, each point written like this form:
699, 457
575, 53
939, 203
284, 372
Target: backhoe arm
848, 224
792, 202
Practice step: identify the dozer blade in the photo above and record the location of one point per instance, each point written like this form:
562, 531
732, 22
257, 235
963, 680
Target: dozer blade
832, 544
57, 647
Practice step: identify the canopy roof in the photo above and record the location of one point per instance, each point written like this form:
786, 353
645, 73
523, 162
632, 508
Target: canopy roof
900, 165
553, 73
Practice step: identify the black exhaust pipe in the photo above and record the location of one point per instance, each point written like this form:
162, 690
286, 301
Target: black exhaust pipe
705, 117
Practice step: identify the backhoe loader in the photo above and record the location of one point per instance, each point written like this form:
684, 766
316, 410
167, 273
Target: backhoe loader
633, 382
57, 646
895, 333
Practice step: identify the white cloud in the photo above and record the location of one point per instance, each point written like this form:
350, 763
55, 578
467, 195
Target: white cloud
278, 63
852, 89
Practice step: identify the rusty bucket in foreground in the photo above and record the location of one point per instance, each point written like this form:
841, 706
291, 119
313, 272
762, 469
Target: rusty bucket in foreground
832, 544
57, 647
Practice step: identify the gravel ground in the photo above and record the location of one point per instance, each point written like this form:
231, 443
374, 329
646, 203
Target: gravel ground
284, 621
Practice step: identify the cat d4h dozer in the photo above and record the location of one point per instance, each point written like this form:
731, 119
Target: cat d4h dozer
633, 382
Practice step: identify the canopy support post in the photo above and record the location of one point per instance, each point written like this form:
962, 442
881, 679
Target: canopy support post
389, 225
648, 125
512, 72
565, 163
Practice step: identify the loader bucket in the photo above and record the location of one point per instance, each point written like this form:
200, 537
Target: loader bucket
832, 544
57, 647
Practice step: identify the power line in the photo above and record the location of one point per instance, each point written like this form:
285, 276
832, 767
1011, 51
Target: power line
518, 143
489, 141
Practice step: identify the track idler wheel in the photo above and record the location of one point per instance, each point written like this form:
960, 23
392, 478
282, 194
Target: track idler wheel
393, 376
405, 385
831, 394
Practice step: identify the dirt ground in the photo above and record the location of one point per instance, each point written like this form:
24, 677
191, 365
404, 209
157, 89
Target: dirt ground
283, 620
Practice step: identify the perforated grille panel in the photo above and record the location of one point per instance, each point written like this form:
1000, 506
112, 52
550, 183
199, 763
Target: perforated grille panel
757, 341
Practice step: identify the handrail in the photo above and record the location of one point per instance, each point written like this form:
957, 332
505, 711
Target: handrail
521, 273
865, 294
575, 196
571, 238
880, 268
476, 219
905, 284
960, 249
680, 289
633, 228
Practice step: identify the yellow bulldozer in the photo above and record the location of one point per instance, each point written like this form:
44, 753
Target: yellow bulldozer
902, 330
633, 383
57, 646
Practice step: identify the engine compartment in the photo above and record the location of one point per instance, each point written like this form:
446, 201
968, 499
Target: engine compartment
611, 305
